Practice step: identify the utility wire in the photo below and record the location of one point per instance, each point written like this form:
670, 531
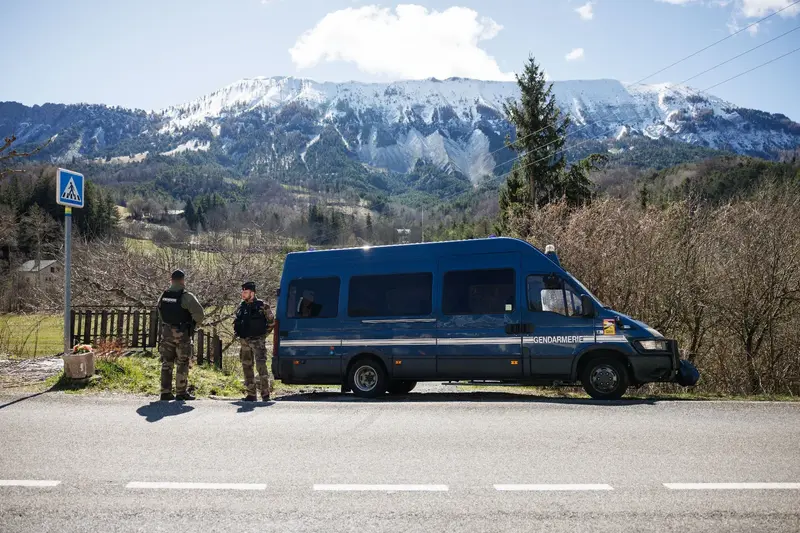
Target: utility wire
752, 69
676, 63
575, 145
740, 55
717, 42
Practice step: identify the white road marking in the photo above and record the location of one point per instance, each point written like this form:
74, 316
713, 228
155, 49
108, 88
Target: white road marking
28, 483
382, 487
553, 486
732, 486
195, 486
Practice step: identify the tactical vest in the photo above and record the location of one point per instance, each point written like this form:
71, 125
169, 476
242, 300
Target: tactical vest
171, 311
250, 321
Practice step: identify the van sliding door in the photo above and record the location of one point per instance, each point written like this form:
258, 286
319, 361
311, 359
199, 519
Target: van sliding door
390, 314
478, 333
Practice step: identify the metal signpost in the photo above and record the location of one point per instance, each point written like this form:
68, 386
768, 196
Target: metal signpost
69, 193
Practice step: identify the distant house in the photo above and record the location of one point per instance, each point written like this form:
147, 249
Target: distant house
49, 272
402, 235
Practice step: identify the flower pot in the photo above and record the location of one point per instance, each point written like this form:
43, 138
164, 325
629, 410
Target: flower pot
79, 365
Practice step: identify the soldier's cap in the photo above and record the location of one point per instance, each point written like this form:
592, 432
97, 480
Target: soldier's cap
249, 285
178, 274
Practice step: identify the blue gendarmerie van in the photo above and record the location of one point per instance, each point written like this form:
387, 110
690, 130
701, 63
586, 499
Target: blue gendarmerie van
380, 319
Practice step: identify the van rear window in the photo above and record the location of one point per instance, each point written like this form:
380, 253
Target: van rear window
390, 295
479, 292
313, 298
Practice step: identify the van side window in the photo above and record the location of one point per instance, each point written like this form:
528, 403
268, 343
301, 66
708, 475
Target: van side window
390, 295
313, 298
551, 293
479, 292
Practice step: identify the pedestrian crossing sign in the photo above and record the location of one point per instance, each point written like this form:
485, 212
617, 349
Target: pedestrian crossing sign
69, 188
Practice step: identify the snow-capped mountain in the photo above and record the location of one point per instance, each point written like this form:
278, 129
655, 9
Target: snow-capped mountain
454, 124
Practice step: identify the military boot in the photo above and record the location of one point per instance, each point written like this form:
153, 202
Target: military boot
167, 396
185, 396
250, 398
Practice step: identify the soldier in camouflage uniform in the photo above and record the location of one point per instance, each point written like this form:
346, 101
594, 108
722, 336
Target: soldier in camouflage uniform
254, 321
180, 314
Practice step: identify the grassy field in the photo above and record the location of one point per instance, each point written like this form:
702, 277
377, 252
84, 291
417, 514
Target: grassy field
141, 245
25, 336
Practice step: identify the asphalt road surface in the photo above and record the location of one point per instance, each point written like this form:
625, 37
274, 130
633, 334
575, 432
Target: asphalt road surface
429, 463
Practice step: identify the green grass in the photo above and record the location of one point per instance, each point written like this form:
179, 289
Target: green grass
142, 375
26, 336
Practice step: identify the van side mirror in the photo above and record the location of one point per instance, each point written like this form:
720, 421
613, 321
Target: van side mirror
587, 305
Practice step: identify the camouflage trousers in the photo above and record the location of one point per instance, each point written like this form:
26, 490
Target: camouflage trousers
175, 350
254, 351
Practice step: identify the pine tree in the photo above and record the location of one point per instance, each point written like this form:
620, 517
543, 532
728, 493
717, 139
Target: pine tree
644, 196
190, 214
540, 135
576, 188
369, 226
513, 196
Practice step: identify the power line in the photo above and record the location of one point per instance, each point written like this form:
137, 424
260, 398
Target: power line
526, 165
717, 42
586, 125
740, 55
609, 131
676, 63
513, 160
752, 69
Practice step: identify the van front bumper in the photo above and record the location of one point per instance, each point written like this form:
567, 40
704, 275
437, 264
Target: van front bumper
656, 366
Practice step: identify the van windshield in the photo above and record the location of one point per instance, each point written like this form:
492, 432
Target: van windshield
582, 287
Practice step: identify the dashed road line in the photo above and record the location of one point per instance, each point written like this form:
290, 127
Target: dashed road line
553, 487
392, 488
194, 486
28, 483
732, 486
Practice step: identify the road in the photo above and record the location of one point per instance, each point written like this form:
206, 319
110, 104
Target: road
433, 462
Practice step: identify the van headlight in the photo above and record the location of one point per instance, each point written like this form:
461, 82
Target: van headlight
653, 345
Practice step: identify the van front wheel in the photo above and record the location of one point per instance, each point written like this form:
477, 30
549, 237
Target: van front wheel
367, 378
605, 378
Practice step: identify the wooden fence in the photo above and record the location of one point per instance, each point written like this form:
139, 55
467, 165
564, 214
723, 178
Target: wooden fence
134, 329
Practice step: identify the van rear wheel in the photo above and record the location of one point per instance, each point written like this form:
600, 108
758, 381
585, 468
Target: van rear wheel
401, 387
605, 378
367, 378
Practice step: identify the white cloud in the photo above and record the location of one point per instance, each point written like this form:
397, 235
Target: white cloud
762, 8
747, 8
585, 11
409, 42
575, 54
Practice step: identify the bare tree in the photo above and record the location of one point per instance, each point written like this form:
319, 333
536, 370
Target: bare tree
8, 154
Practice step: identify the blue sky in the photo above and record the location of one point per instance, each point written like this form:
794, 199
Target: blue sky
153, 53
